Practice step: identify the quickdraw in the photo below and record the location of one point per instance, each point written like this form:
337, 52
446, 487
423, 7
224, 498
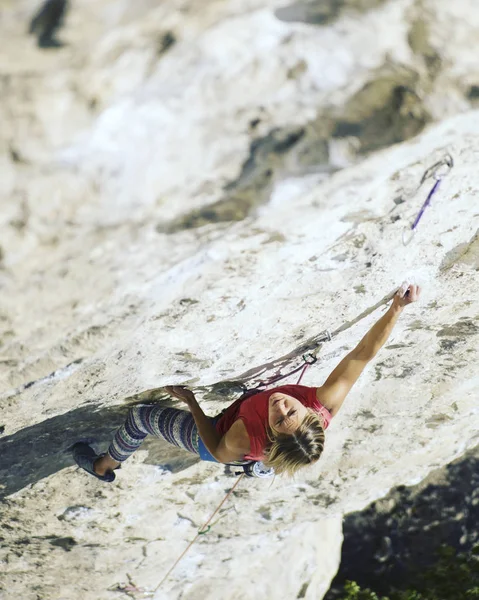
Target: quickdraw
324, 336
438, 171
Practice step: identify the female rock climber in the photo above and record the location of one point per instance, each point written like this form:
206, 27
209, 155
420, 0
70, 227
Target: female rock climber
283, 427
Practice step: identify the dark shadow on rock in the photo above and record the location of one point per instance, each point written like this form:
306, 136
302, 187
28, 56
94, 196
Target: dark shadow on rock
473, 92
419, 39
166, 41
263, 150
171, 458
321, 12
228, 210
282, 150
43, 449
47, 21
395, 539
314, 13
386, 111
252, 187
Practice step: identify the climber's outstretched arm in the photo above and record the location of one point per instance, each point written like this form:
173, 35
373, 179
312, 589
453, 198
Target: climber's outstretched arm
338, 384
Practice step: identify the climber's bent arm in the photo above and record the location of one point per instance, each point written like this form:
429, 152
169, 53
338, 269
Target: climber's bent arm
337, 386
230, 447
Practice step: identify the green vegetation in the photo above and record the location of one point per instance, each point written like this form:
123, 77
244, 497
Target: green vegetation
452, 577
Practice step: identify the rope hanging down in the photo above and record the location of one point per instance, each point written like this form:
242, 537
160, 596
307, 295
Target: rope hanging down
201, 531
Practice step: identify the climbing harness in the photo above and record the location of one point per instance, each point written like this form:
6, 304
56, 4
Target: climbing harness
438, 171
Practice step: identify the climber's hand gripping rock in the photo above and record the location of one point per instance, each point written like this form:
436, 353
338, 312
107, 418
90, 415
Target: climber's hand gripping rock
406, 294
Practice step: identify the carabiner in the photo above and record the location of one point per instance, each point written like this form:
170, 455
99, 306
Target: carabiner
313, 357
435, 171
407, 235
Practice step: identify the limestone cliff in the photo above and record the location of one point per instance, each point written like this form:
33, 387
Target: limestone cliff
190, 192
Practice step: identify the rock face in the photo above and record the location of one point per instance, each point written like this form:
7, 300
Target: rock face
189, 197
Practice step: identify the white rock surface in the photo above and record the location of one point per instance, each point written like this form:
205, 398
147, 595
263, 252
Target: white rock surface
105, 142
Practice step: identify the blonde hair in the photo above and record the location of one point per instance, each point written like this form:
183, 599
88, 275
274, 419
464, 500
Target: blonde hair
287, 453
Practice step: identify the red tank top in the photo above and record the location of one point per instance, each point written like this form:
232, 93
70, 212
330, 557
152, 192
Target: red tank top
253, 411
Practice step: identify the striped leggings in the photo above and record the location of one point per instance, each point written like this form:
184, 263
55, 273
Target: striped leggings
171, 424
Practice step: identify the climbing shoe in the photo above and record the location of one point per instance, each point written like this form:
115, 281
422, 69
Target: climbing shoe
85, 458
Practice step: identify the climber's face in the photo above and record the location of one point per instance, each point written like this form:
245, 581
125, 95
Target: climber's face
285, 413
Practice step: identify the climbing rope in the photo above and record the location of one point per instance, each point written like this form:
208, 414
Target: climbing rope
438, 171
201, 531
314, 345
309, 358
